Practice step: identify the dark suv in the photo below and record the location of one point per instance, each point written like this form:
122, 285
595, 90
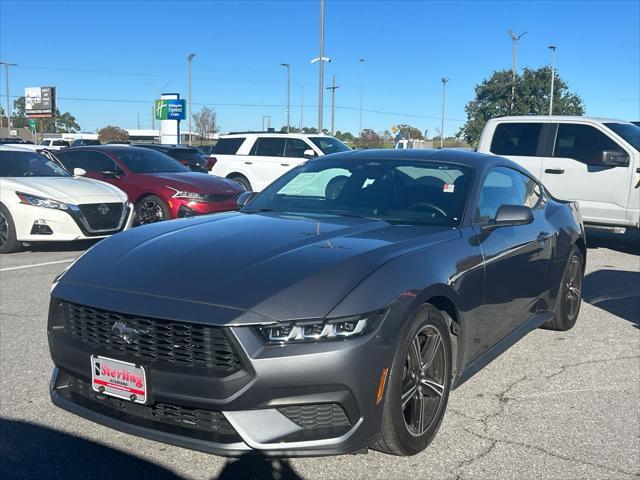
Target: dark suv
188, 156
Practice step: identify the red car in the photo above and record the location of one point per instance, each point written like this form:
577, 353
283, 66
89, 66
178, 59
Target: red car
159, 186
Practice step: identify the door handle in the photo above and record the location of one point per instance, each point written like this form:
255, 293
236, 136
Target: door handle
284, 164
248, 163
555, 171
544, 236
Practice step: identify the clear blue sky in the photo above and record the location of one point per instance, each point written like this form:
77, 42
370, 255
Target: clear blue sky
124, 52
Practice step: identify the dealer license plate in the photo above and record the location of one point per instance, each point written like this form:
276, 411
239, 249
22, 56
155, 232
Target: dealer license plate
118, 379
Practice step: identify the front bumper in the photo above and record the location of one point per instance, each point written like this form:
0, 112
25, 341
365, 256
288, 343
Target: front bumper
181, 208
296, 400
65, 225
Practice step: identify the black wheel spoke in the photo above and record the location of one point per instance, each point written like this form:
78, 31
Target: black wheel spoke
424, 380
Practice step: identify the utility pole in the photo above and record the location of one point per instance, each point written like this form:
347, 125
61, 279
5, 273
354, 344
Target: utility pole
6, 76
516, 39
288, 67
553, 76
321, 69
333, 103
301, 106
444, 84
361, 61
190, 58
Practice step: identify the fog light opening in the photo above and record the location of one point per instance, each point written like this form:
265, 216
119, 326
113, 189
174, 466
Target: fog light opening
40, 227
383, 381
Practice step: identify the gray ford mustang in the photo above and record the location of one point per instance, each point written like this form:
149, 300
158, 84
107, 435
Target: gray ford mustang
333, 313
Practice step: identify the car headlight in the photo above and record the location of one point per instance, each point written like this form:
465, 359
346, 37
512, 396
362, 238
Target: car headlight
316, 330
41, 202
188, 195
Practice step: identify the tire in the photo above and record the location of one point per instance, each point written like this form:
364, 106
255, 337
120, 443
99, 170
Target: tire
570, 294
401, 433
151, 209
242, 180
8, 241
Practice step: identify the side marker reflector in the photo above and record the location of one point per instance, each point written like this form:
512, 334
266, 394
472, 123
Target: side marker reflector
383, 380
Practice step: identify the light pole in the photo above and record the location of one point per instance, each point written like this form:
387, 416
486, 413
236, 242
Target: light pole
301, 106
321, 60
516, 39
190, 58
333, 103
288, 67
444, 84
361, 61
553, 76
321, 69
6, 76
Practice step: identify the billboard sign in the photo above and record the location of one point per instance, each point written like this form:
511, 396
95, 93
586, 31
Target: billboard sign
171, 109
40, 101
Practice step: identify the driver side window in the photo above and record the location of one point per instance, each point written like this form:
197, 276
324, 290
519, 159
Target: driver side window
98, 162
504, 186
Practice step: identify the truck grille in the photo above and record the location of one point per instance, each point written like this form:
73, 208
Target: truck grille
154, 340
102, 216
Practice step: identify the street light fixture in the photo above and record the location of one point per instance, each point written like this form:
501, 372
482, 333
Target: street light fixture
288, 67
516, 39
553, 76
6, 74
190, 58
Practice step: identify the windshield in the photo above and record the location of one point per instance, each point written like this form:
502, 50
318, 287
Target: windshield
143, 160
399, 191
628, 131
329, 145
28, 164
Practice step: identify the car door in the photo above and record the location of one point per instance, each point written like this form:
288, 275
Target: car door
102, 167
516, 257
575, 171
521, 142
267, 157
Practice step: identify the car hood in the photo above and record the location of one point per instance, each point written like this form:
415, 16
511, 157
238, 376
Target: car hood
72, 190
195, 182
236, 268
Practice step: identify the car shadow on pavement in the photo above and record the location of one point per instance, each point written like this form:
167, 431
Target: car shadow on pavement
74, 246
253, 466
628, 242
31, 451
616, 291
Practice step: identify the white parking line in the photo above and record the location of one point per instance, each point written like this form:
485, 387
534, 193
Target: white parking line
36, 265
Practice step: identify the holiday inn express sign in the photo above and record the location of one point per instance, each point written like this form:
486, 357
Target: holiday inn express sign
170, 109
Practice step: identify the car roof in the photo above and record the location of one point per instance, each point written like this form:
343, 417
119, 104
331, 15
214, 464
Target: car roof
15, 148
477, 161
273, 134
556, 118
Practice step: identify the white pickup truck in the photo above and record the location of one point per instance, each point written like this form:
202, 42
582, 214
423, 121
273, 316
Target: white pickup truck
593, 161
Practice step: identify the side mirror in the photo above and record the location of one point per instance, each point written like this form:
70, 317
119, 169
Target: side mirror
510, 215
79, 172
245, 198
616, 158
309, 153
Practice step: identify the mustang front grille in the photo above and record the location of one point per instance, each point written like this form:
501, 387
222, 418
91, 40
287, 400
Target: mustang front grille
153, 340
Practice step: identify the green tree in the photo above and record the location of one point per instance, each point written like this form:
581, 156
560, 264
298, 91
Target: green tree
410, 133
344, 136
112, 134
369, 139
60, 123
493, 99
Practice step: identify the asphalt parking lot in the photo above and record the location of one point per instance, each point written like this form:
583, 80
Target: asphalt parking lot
557, 405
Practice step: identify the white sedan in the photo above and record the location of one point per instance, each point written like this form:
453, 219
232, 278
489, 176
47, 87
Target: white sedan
41, 201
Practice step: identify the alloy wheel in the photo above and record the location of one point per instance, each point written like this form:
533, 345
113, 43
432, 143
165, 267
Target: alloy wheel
423, 380
4, 229
150, 212
573, 287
